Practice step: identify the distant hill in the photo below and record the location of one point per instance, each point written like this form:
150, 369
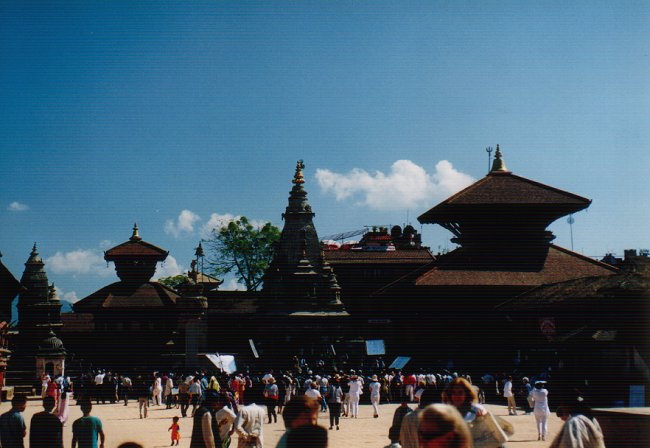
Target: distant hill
66, 307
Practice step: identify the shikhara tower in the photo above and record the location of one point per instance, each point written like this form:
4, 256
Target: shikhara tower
299, 279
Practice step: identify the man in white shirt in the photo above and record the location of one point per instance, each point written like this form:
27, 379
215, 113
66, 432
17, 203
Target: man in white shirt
249, 425
510, 396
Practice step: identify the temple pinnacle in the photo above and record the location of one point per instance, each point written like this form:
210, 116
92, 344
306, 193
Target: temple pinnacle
136, 235
498, 165
298, 178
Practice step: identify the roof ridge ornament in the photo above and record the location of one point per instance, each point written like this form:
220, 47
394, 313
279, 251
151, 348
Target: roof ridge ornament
136, 236
498, 165
298, 178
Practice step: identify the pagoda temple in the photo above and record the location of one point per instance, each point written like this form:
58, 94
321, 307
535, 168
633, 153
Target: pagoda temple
299, 279
138, 316
500, 224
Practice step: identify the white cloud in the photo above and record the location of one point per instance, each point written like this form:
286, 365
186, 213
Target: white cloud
407, 185
184, 224
79, 261
217, 221
232, 285
70, 296
17, 207
168, 269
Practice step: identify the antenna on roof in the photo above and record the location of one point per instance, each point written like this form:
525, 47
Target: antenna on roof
489, 150
571, 220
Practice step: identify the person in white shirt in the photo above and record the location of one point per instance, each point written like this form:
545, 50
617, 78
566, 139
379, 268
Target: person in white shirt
249, 425
510, 396
313, 393
541, 409
375, 391
355, 394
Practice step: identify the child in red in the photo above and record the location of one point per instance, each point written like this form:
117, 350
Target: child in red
175, 428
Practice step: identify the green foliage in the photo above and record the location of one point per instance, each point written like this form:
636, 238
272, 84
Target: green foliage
174, 281
243, 249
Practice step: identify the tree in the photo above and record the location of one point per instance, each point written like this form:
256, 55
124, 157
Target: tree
173, 281
241, 248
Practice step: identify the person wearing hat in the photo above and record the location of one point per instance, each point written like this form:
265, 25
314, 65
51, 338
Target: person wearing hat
271, 396
541, 409
375, 391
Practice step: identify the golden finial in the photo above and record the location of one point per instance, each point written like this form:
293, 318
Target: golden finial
136, 235
498, 164
298, 178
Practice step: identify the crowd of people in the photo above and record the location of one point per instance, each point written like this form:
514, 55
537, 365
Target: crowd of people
450, 410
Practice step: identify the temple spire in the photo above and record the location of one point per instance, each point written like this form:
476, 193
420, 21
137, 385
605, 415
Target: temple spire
298, 178
498, 165
136, 235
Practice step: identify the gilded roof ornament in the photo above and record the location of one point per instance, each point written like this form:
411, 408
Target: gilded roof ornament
136, 235
498, 165
298, 178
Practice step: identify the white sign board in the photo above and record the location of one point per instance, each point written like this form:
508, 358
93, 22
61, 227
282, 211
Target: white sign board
224, 362
375, 347
399, 362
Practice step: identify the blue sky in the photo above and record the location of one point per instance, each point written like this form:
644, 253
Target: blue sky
116, 112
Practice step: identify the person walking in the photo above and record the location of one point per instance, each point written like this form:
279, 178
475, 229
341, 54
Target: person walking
355, 395
250, 426
580, 429
334, 397
45, 428
12, 424
375, 394
86, 429
271, 395
156, 390
141, 391
510, 396
541, 409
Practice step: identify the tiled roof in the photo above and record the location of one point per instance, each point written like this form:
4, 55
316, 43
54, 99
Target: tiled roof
499, 189
122, 295
135, 248
560, 265
409, 256
77, 322
582, 290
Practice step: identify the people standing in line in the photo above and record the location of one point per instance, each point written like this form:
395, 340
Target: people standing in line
355, 394
375, 394
87, 429
45, 428
442, 426
510, 396
334, 397
541, 410
580, 429
271, 395
300, 411
12, 424
250, 426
